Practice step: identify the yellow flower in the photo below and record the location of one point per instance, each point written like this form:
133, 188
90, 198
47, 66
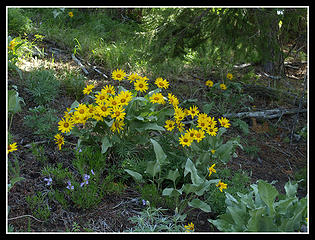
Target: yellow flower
193, 111
157, 98
172, 99
118, 113
212, 170
179, 113
67, 113
117, 125
133, 77
221, 185
65, 125
12, 147
190, 227
141, 85
103, 110
185, 140
212, 151
70, 14
212, 131
192, 133
180, 126
82, 110
88, 89
209, 83
224, 122
109, 89
12, 44
199, 135
112, 101
203, 123
162, 83
229, 76
101, 97
212, 122
124, 97
202, 116
90, 110
118, 74
59, 140
169, 125
223, 86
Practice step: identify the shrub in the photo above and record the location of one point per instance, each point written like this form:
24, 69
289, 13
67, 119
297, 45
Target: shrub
42, 85
18, 23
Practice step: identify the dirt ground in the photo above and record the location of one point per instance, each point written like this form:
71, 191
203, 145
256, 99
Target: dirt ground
278, 159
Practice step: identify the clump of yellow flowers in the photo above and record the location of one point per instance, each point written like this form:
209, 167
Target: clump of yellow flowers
108, 103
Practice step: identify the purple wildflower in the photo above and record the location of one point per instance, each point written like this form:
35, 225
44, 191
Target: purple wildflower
49, 181
86, 180
144, 202
92, 171
70, 187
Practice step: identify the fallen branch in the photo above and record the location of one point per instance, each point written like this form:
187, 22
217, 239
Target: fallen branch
266, 114
80, 64
98, 71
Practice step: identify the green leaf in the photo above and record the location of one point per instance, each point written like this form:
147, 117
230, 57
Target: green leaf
260, 221
197, 203
135, 175
207, 107
171, 192
290, 189
14, 181
239, 216
159, 153
173, 175
14, 101
105, 144
190, 168
75, 104
153, 167
268, 194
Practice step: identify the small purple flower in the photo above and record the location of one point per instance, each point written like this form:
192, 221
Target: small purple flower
86, 177
86, 180
49, 181
144, 202
92, 171
70, 187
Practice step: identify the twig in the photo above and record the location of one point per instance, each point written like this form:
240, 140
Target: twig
80, 64
9, 219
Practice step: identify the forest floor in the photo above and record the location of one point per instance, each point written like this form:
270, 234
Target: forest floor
278, 159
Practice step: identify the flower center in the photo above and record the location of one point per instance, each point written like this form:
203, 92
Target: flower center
81, 111
118, 75
140, 85
156, 98
66, 125
117, 113
102, 97
104, 108
185, 140
122, 100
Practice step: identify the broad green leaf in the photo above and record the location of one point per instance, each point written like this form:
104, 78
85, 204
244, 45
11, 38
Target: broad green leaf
135, 175
282, 206
268, 194
239, 216
105, 144
153, 167
75, 104
190, 168
290, 189
225, 152
159, 153
171, 192
149, 126
197, 203
173, 175
260, 221
294, 223
207, 107
14, 101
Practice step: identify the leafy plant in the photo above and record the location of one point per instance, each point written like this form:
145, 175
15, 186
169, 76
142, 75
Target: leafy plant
152, 219
263, 210
42, 121
42, 85
14, 103
38, 206
73, 83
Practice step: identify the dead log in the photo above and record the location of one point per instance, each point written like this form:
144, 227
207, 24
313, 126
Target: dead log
80, 64
265, 114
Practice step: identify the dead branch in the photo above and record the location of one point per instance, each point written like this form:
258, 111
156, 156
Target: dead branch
80, 64
266, 114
